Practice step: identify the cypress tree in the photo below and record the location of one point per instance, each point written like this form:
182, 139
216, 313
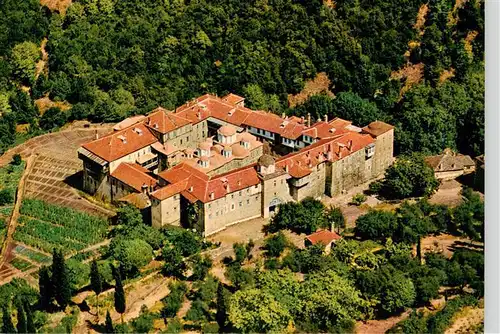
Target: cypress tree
7, 325
96, 282
60, 279
120, 303
30, 324
221, 315
21, 318
45, 287
109, 323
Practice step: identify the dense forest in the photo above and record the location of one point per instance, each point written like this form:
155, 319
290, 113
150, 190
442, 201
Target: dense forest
418, 65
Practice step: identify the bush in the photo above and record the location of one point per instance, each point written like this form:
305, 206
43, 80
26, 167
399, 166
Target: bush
375, 187
174, 326
16, 160
53, 118
186, 241
211, 328
6, 196
272, 264
174, 300
201, 266
358, 199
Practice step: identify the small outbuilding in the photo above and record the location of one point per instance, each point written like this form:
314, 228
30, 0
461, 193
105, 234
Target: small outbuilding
450, 165
324, 237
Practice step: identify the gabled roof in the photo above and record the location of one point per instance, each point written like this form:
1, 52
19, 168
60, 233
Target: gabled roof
163, 121
449, 161
301, 163
139, 200
133, 175
128, 122
197, 186
324, 237
121, 143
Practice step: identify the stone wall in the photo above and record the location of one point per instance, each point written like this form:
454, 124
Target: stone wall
166, 212
232, 208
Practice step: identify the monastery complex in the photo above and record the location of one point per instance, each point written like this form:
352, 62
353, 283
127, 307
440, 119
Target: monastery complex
210, 163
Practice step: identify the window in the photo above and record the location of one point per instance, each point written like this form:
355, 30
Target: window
248, 201
232, 196
275, 183
256, 186
232, 206
209, 206
248, 190
181, 141
240, 203
175, 208
240, 193
281, 181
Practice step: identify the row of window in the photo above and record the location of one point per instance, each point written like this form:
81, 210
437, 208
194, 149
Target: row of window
233, 207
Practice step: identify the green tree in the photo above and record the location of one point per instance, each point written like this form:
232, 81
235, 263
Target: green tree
53, 118
96, 282
45, 288
16, 160
7, 325
60, 278
376, 225
119, 295
350, 106
109, 324
144, 323
409, 176
252, 310
24, 58
30, 321
468, 217
174, 263
131, 254
201, 266
275, 244
335, 218
221, 314
21, 317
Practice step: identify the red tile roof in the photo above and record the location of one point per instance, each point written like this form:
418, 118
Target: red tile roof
163, 121
133, 175
196, 186
233, 98
324, 237
121, 143
377, 128
301, 163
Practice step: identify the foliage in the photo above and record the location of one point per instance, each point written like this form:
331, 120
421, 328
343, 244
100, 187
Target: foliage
30, 323
409, 176
275, 244
392, 290
468, 217
16, 160
7, 325
53, 118
186, 241
303, 217
70, 230
109, 328
174, 326
45, 287
240, 277
222, 306
21, 325
119, 294
201, 266
131, 254
60, 279
96, 281
376, 225
24, 58
143, 323
253, 310
174, 263
174, 300
358, 199
335, 218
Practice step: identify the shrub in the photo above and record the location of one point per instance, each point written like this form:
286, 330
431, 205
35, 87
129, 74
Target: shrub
16, 160
375, 187
6, 196
358, 199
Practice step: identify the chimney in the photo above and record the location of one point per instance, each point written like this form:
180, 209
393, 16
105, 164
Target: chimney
349, 145
212, 195
283, 115
302, 119
286, 168
96, 135
326, 118
190, 189
144, 188
308, 119
151, 188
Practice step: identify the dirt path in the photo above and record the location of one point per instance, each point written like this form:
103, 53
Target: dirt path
15, 213
466, 320
379, 326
